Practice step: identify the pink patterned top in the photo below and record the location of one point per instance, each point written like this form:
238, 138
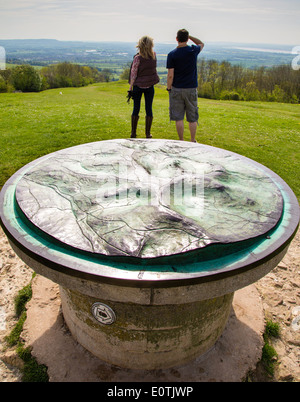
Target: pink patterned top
134, 69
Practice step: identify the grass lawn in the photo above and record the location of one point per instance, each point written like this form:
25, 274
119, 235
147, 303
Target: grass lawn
35, 124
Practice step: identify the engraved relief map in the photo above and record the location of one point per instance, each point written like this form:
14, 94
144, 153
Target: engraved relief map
148, 198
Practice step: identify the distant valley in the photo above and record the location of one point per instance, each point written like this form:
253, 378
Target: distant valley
118, 54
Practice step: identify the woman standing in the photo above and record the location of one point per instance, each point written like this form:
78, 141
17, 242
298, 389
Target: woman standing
143, 77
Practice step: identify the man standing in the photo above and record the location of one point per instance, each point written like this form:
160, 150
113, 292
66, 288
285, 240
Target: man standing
182, 83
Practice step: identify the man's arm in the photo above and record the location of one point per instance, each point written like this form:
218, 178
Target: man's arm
197, 41
170, 78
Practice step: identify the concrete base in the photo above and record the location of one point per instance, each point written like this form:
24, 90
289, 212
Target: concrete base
146, 336
235, 353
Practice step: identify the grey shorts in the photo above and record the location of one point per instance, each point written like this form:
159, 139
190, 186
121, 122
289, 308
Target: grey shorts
184, 101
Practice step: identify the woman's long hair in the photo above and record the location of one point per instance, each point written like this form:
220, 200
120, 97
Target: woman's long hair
145, 47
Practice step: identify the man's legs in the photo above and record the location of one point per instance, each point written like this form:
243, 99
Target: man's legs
184, 101
192, 114
193, 129
180, 129
177, 110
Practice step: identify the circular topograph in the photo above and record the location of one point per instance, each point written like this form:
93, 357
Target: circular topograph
148, 198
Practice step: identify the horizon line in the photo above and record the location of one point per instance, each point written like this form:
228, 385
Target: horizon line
157, 42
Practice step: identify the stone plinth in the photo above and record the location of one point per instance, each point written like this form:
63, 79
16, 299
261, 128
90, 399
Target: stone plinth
148, 241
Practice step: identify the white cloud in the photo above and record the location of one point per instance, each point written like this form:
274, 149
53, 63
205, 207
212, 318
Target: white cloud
243, 7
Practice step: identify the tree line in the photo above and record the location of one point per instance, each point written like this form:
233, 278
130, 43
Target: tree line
26, 78
216, 80
223, 80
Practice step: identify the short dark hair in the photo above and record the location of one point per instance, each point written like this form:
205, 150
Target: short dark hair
182, 35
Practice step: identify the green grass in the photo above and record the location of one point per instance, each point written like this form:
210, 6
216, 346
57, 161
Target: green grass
269, 354
32, 371
34, 124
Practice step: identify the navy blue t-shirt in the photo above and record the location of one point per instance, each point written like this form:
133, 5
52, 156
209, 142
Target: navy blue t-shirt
184, 62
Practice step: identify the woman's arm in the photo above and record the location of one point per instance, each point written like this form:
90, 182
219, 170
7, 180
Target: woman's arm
134, 71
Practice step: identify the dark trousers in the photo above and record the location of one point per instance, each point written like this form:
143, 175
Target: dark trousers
137, 96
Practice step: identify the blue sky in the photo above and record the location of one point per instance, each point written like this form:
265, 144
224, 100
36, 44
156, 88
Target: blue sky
255, 21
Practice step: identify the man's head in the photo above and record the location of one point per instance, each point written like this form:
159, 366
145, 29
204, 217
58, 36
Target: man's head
182, 35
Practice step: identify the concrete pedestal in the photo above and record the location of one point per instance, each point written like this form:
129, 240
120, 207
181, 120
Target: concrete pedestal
146, 336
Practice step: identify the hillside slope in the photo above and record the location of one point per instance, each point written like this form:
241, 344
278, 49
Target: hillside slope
34, 124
